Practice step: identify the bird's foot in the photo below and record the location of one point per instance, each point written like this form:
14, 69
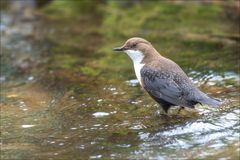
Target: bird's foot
160, 113
179, 110
187, 112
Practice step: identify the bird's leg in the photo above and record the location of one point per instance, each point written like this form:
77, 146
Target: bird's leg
164, 111
179, 110
160, 111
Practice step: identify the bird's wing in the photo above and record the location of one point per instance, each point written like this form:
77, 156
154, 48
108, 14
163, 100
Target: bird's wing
162, 86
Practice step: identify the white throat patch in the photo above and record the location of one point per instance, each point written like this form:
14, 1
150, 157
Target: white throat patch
137, 58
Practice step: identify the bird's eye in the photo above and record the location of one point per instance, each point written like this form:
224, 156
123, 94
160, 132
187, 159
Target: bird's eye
134, 45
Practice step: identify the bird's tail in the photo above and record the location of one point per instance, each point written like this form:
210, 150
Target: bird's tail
204, 99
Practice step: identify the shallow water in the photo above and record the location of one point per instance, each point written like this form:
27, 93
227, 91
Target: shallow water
57, 102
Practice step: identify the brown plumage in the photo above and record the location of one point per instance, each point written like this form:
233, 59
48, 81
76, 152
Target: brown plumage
162, 78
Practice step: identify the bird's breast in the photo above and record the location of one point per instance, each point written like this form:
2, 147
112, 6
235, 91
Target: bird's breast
137, 67
137, 58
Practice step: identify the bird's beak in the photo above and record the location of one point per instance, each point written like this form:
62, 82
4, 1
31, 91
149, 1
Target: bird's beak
119, 49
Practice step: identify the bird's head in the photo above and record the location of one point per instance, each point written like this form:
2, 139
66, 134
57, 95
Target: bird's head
136, 48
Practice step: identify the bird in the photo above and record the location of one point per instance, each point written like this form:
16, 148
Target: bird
162, 78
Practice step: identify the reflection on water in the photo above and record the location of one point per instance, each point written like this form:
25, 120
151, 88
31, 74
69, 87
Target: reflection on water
52, 109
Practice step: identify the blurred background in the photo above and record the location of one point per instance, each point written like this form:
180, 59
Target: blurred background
66, 95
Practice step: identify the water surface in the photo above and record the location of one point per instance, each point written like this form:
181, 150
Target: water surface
63, 96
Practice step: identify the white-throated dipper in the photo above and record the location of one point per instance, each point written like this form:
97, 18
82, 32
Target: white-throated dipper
162, 78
